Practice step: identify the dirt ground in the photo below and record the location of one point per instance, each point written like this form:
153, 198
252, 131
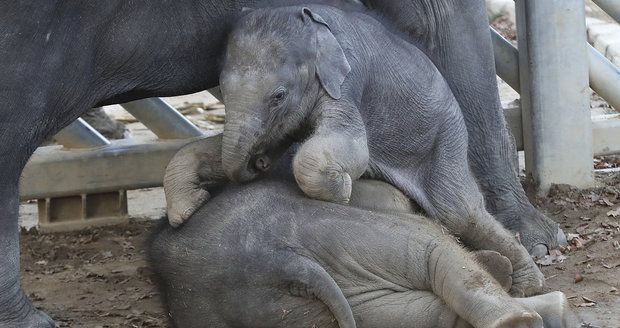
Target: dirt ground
100, 278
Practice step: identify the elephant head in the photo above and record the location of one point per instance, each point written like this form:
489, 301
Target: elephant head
272, 78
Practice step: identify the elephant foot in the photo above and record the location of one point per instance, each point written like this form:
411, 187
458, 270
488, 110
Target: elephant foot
329, 184
32, 319
527, 279
536, 231
524, 319
497, 265
553, 308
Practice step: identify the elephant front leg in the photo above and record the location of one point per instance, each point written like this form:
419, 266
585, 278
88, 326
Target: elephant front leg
193, 168
326, 164
18, 142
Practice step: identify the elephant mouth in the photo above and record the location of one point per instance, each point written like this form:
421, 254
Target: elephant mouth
262, 162
257, 165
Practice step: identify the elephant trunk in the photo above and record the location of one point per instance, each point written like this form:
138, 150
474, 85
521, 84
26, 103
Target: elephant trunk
187, 170
239, 155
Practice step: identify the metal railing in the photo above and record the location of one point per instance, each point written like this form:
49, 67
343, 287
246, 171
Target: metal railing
86, 162
551, 71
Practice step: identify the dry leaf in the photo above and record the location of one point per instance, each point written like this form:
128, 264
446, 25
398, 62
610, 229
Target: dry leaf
607, 202
578, 278
589, 300
585, 218
614, 213
611, 266
554, 257
586, 305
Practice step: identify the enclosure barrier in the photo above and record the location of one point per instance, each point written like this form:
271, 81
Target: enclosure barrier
84, 181
553, 127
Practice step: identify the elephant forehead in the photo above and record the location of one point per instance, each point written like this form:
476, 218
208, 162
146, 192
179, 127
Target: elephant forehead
248, 78
258, 50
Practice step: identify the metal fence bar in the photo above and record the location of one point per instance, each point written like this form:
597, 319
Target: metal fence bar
80, 134
161, 118
605, 131
557, 130
506, 60
606, 135
611, 7
604, 77
124, 165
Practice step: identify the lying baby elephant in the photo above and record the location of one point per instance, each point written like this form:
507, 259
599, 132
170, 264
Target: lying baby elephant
264, 255
363, 101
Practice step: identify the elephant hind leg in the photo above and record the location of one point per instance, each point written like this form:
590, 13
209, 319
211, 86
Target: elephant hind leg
497, 265
461, 282
419, 309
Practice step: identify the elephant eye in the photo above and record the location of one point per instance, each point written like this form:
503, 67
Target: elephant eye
279, 94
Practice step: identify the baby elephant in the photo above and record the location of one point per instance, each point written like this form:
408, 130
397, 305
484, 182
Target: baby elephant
363, 101
264, 255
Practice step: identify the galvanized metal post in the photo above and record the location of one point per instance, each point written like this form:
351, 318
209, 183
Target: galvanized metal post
161, 118
80, 134
553, 58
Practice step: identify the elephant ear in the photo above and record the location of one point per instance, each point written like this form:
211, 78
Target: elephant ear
332, 65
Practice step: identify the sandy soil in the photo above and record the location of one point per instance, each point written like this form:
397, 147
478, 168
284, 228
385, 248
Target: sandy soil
94, 278
100, 278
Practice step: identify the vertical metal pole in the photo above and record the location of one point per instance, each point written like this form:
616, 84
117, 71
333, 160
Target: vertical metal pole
557, 130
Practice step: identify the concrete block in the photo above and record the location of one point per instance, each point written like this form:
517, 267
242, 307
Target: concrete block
82, 211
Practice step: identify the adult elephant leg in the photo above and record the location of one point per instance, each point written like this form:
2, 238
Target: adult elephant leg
16, 310
457, 39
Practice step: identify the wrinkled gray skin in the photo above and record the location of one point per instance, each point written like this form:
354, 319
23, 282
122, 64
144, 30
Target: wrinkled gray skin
60, 58
265, 255
323, 76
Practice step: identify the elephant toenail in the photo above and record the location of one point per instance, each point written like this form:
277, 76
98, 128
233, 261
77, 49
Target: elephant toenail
561, 238
538, 251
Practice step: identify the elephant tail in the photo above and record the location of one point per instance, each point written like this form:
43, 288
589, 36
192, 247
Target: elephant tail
308, 279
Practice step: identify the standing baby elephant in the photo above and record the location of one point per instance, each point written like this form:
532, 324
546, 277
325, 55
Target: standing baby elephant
365, 102
264, 255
